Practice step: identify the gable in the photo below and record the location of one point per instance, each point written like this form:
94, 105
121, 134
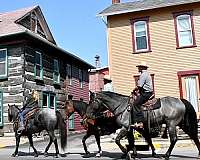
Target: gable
35, 22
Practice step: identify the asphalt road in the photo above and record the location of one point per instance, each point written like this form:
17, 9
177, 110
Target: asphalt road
75, 151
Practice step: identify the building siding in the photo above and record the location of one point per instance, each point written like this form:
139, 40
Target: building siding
164, 60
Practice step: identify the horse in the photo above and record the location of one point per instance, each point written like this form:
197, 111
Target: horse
172, 112
43, 119
99, 128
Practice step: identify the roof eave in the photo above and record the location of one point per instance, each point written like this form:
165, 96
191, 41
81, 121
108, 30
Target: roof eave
139, 10
58, 48
49, 43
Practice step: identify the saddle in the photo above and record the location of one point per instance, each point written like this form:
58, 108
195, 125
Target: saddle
152, 103
30, 115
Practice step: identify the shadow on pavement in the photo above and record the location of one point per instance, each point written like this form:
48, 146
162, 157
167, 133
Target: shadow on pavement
24, 154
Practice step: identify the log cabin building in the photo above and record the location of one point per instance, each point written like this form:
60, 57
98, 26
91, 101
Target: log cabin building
30, 59
165, 34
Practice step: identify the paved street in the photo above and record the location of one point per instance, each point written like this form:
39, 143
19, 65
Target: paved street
75, 150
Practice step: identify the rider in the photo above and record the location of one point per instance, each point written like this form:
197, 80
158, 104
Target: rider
31, 102
145, 89
107, 84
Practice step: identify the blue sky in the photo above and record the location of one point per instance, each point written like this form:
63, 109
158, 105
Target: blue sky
73, 24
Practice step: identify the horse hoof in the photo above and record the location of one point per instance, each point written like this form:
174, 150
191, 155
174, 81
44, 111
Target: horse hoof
35, 155
87, 152
45, 154
123, 156
155, 155
99, 154
56, 156
129, 157
14, 155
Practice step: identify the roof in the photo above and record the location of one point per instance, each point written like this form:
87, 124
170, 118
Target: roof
98, 69
141, 5
9, 27
7, 21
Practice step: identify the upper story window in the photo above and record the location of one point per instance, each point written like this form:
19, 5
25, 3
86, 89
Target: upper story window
184, 28
141, 39
38, 66
3, 63
69, 73
81, 78
56, 73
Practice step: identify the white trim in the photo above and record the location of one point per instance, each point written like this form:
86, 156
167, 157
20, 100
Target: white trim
179, 30
146, 31
6, 63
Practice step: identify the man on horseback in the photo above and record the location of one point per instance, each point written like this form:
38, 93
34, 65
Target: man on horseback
31, 102
143, 91
107, 84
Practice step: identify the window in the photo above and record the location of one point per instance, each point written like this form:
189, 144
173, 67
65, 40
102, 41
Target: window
141, 39
49, 100
3, 63
56, 73
38, 66
81, 78
69, 73
184, 30
1, 108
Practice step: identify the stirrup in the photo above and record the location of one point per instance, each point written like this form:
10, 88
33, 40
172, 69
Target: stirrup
137, 125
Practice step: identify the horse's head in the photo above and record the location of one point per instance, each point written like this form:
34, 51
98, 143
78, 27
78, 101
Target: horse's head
69, 107
12, 112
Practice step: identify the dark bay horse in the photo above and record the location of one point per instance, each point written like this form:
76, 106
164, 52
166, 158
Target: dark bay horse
173, 112
102, 125
44, 119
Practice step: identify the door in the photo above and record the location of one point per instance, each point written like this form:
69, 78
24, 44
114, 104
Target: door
190, 90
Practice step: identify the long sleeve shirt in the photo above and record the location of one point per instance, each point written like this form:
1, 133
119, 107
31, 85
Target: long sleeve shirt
145, 81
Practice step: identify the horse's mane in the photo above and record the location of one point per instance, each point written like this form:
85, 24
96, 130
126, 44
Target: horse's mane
112, 95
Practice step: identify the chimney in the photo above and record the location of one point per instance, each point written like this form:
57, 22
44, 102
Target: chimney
97, 61
115, 1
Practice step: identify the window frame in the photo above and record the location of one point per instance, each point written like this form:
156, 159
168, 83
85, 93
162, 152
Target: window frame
1, 105
40, 65
80, 73
176, 15
56, 61
48, 94
3, 76
69, 73
134, 42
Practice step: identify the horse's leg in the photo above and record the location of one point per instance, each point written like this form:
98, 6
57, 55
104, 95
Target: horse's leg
122, 133
17, 138
173, 139
30, 138
196, 141
51, 133
88, 134
48, 146
97, 137
148, 139
52, 139
131, 143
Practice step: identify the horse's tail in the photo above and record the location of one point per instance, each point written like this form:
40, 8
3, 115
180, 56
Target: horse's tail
63, 130
189, 123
